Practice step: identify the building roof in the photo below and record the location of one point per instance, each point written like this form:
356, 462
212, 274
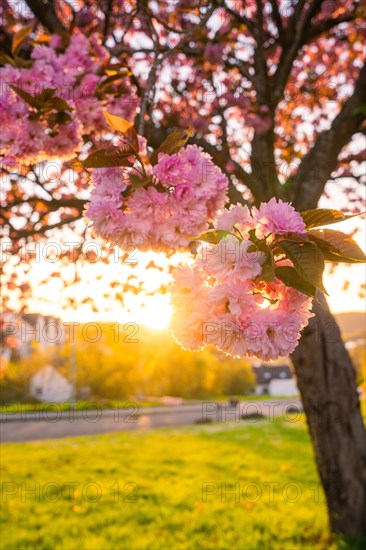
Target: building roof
33, 318
265, 373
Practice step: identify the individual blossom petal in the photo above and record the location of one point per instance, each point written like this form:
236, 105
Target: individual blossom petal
241, 301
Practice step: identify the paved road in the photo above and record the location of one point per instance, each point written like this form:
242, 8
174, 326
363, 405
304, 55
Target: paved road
55, 424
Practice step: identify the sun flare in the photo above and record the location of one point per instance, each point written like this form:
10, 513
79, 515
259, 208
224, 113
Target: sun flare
151, 311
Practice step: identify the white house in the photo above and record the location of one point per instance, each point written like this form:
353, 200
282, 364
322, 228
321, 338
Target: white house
278, 386
274, 380
49, 385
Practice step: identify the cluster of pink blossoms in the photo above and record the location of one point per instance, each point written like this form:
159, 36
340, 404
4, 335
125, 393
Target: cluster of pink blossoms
75, 74
184, 193
221, 300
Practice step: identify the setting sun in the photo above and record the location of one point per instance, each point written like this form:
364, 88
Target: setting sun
151, 311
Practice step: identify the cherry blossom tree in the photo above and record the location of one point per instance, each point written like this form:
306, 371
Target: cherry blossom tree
271, 90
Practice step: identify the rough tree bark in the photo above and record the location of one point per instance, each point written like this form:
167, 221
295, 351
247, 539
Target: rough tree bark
326, 379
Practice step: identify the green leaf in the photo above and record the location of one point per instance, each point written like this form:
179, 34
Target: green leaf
44, 101
28, 98
103, 158
47, 101
172, 144
35, 115
308, 261
59, 104
16, 61
254, 238
337, 246
268, 273
324, 216
20, 36
45, 95
214, 236
7, 59
137, 182
58, 118
290, 277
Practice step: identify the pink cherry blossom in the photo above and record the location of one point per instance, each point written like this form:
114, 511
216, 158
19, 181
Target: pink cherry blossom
223, 300
274, 333
278, 217
238, 216
106, 216
170, 169
172, 209
230, 260
75, 74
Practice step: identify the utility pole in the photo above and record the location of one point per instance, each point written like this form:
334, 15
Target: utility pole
73, 370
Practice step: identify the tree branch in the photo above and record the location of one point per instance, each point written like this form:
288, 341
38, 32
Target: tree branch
276, 16
107, 19
317, 166
25, 233
160, 57
45, 12
288, 56
328, 24
53, 204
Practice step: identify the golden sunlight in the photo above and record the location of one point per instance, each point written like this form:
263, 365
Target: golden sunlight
151, 311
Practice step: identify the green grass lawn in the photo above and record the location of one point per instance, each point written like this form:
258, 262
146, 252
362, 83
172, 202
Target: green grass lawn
159, 503
77, 406
11, 408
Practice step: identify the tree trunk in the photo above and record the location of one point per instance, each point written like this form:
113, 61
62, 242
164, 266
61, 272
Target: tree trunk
326, 379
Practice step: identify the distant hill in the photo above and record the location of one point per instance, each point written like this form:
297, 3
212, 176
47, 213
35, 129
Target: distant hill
352, 324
